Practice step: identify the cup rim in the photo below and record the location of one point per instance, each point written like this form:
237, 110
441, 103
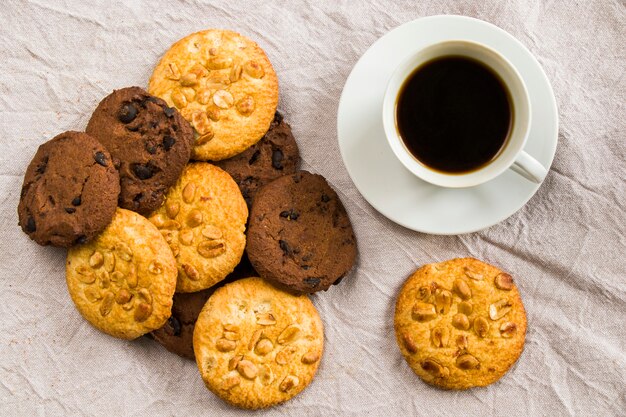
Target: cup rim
424, 172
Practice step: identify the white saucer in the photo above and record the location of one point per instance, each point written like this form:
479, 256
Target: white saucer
382, 179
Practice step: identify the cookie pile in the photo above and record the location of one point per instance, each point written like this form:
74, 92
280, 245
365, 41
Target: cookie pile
214, 258
162, 246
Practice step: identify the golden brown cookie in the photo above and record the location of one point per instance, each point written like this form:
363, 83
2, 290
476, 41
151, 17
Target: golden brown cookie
177, 334
123, 281
460, 323
257, 346
203, 219
224, 85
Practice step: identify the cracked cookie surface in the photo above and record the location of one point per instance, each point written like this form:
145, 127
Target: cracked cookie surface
275, 155
257, 346
149, 141
203, 219
460, 323
224, 85
70, 191
300, 236
123, 281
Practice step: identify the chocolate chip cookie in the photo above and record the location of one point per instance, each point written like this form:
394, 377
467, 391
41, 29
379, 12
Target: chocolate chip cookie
177, 334
275, 155
150, 144
460, 323
300, 236
69, 192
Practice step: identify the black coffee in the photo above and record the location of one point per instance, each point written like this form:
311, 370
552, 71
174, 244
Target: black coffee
454, 114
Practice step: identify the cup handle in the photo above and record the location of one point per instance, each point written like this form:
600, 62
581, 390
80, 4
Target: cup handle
529, 168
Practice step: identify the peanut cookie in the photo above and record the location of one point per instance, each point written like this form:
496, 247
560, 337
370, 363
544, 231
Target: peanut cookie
257, 346
224, 84
300, 237
460, 323
275, 155
150, 144
177, 334
70, 191
203, 219
123, 282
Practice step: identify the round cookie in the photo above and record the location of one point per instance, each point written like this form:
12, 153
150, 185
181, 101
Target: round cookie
275, 155
460, 323
150, 144
224, 84
257, 346
300, 237
70, 191
203, 219
123, 282
177, 334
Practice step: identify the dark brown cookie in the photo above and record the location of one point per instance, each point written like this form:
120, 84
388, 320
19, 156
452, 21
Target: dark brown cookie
299, 236
70, 191
275, 155
177, 334
150, 144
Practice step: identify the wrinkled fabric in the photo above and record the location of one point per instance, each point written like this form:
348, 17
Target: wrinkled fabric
565, 248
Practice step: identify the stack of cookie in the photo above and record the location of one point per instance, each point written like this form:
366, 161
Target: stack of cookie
153, 237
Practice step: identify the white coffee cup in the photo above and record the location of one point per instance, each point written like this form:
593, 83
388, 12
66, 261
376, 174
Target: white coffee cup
511, 156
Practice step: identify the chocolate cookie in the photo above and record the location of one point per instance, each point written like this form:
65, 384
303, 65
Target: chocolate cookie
300, 236
70, 191
177, 334
275, 155
150, 144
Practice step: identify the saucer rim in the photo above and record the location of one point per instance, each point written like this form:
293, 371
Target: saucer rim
532, 61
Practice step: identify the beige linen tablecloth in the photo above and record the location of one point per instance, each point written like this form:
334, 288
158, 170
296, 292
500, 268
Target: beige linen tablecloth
566, 247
